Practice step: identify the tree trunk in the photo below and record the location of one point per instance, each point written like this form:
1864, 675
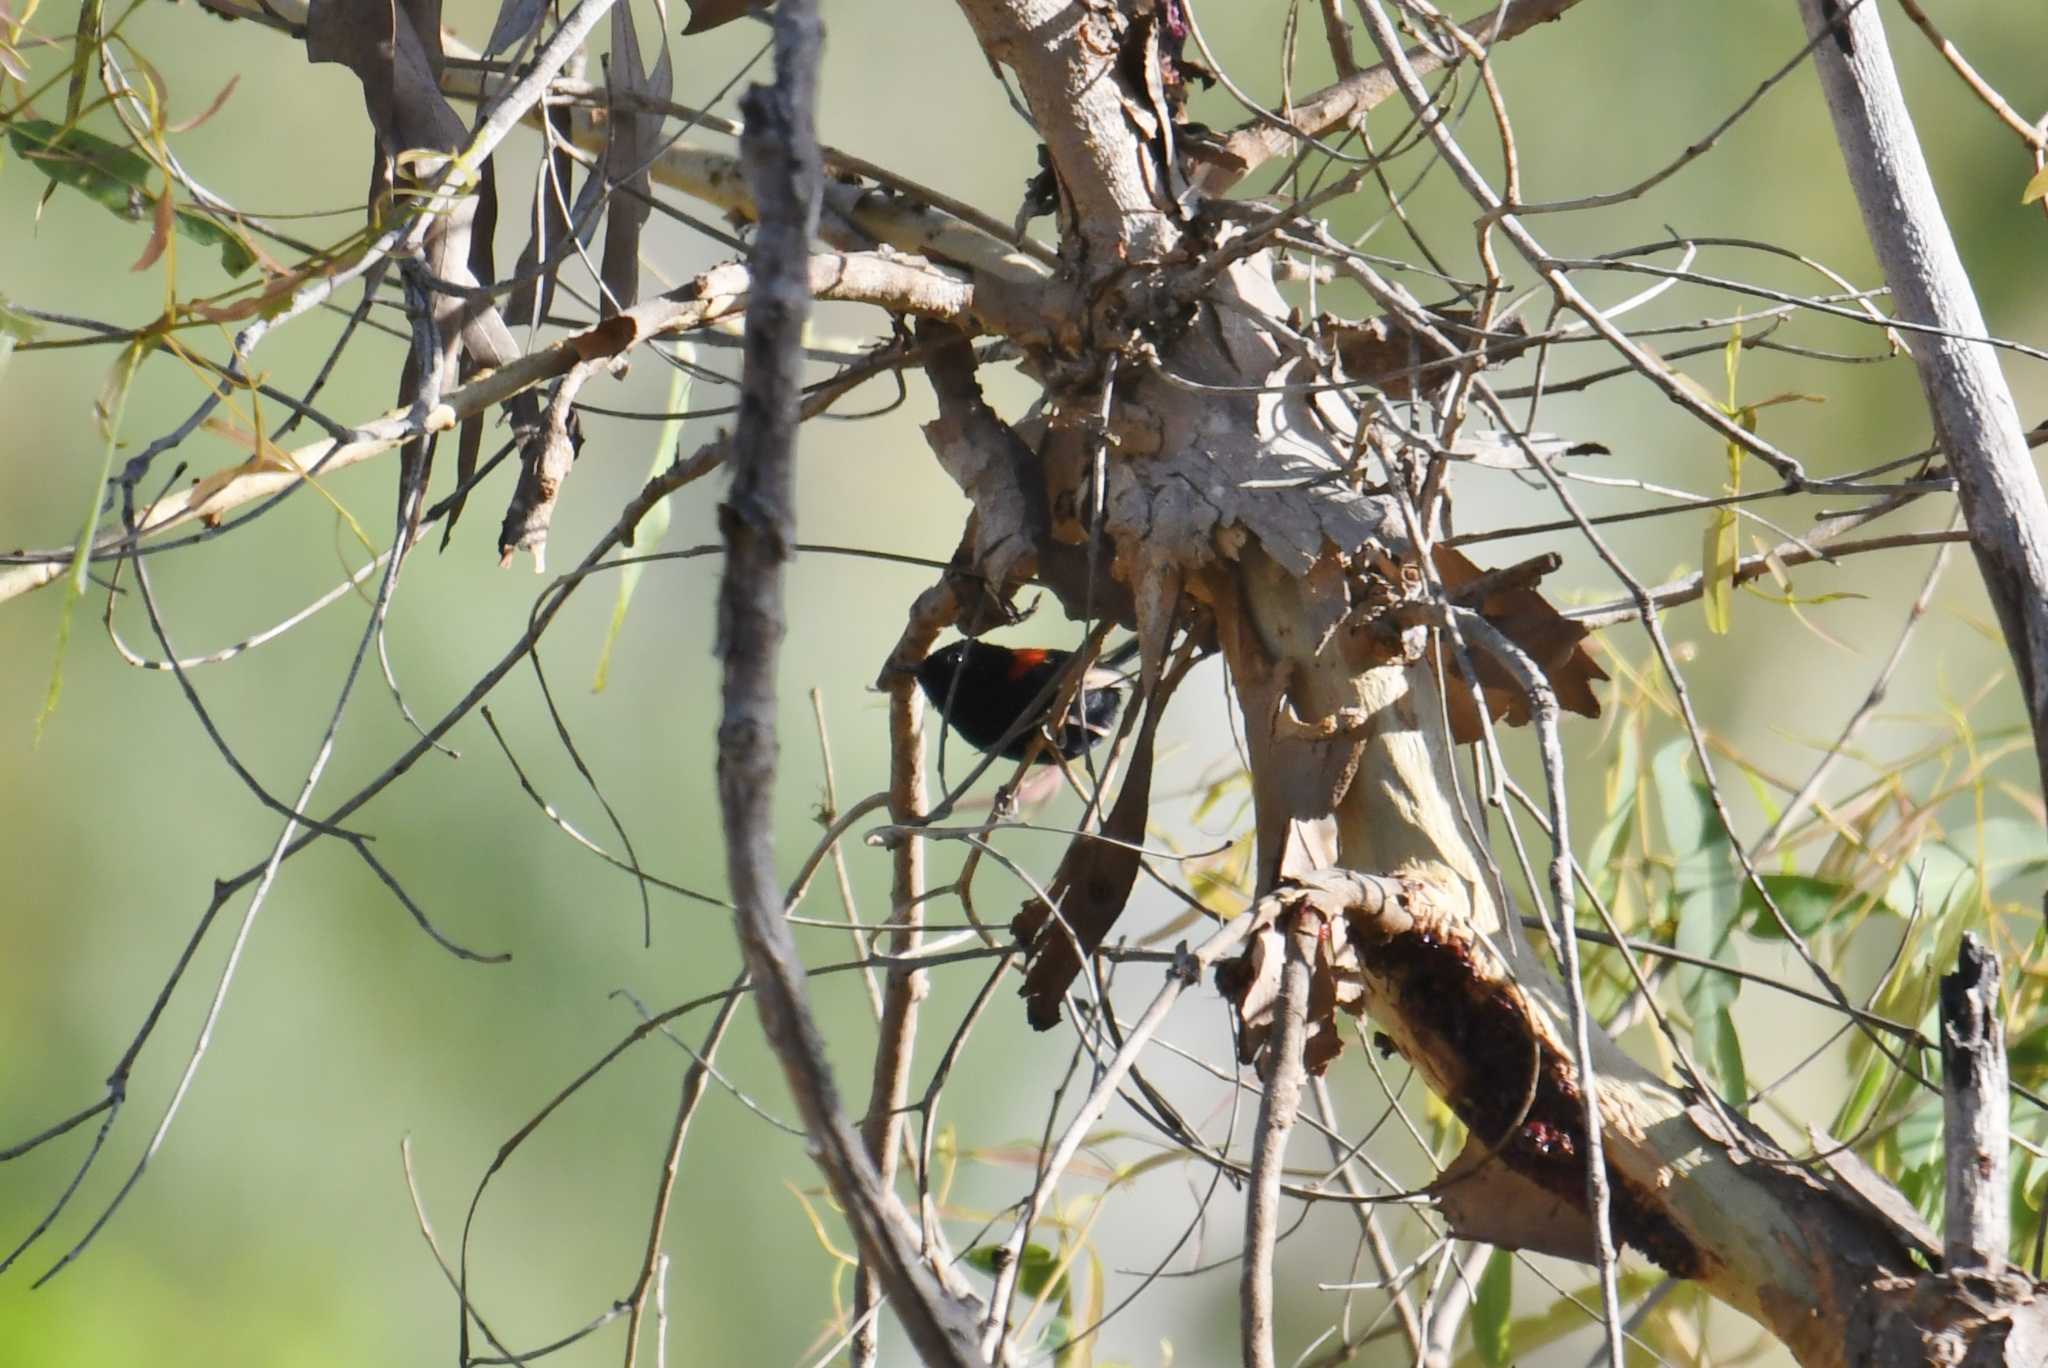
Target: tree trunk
1230, 482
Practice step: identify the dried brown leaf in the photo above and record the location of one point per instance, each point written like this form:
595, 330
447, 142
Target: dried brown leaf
1553, 641
159, 232
706, 15
211, 109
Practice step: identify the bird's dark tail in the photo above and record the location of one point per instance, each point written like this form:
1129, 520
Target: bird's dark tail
1116, 657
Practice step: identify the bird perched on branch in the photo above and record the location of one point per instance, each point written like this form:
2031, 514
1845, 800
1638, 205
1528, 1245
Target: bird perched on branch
988, 693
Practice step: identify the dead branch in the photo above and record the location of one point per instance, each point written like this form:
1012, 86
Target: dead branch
1977, 1133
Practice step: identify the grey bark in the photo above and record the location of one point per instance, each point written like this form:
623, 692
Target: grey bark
1976, 1112
1975, 422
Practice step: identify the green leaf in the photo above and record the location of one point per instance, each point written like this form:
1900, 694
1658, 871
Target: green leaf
1705, 921
1493, 1309
236, 256
2028, 1056
1716, 1038
1720, 554
1935, 873
1919, 1136
111, 404
654, 526
1684, 805
2013, 847
117, 178
1034, 1270
1806, 900
14, 327
1609, 839
1863, 1098
2037, 187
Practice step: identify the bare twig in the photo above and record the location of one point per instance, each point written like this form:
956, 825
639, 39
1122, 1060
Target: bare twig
1543, 708
1280, 1104
896, 1035
1186, 972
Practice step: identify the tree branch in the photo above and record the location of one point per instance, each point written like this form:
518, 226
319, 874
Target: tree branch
1345, 104
1975, 422
782, 162
722, 292
1278, 1107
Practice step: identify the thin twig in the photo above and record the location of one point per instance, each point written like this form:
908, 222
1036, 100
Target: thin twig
1280, 1104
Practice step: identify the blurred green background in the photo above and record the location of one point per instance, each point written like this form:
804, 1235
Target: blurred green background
273, 1226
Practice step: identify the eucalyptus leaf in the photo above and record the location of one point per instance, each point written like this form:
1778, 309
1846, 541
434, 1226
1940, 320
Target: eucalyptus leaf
1807, 901
1035, 1268
1493, 1310
1706, 919
117, 178
1717, 1039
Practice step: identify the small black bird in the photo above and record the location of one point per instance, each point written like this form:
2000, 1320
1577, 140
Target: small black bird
982, 690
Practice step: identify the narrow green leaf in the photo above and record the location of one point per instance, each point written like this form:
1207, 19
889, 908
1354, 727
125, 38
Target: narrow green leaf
1034, 1269
2037, 187
1720, 554
1919, 1136
1687, 819
111, 404
1936, 873
14, 327
654, 526
1493, 1310
85, 50
1807, 901
2013, 847
236, 256
1863, 1098
1600, 857
2027, 1056
117, 178
1717, 1039
1706, 919
1720, 551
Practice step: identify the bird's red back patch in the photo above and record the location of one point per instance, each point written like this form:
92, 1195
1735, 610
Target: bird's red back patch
1025, 661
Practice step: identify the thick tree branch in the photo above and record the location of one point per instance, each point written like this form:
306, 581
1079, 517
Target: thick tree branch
1066, 57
